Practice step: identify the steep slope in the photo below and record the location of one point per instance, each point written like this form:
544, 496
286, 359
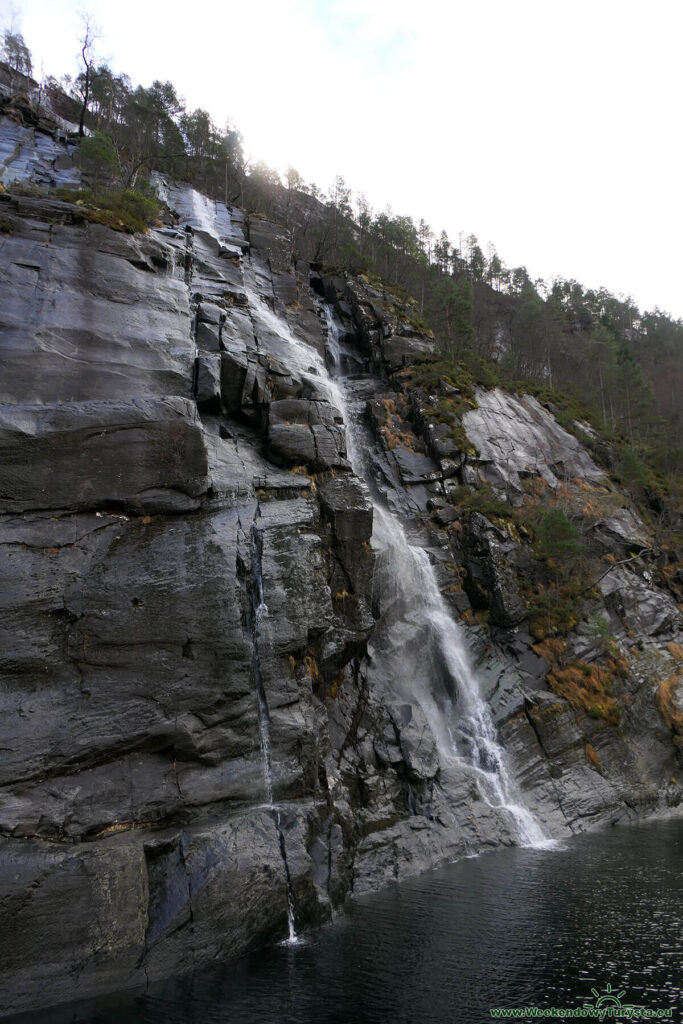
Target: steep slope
227, 702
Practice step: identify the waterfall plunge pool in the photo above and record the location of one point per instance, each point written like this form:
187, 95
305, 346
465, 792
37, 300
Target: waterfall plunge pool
599, 918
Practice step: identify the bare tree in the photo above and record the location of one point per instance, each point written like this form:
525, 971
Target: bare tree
87, 41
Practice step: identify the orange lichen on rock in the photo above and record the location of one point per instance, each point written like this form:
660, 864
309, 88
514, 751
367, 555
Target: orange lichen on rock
665, 697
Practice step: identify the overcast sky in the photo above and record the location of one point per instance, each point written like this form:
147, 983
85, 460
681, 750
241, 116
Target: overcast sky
551, 129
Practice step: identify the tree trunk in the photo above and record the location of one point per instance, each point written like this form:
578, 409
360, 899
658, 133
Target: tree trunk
86, 96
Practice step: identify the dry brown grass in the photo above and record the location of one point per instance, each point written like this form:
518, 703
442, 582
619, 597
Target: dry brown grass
552, 649
592, 756
124, 826
665, 698
312, 666
587, 687
338, 680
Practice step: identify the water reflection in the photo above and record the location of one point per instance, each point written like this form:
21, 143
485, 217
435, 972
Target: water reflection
518, 927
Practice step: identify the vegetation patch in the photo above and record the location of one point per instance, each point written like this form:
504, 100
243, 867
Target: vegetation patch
123, 210
675, 650
312, 666
336, 684
588, 687
129, 210
665, 697
592, 756
483, 500
429, 373
393, 429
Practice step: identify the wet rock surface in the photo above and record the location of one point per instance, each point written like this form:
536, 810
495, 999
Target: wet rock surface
213, 690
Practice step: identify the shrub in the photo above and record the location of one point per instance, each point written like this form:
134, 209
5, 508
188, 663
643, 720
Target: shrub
123, 210
484, 501
557, 538
98, 156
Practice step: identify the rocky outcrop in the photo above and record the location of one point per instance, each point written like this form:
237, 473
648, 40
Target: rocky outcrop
516, 437
220, 700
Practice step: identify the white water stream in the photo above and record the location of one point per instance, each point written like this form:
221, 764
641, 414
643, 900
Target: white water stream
466, 735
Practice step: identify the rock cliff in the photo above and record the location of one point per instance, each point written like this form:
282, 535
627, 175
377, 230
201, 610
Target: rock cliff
225, 700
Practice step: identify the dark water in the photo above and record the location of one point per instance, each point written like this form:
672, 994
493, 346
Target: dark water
514, 928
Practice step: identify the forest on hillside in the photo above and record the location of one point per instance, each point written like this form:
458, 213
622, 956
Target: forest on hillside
594, 355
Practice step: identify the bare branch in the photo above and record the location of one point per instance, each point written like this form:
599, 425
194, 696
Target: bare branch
624, 561
90, 33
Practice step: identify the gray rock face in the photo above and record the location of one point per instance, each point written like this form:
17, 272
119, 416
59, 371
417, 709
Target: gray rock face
622, 532
147, 455
515, 436
192, 624
28, 155
306, 433
489, 575
138, 517
635, 600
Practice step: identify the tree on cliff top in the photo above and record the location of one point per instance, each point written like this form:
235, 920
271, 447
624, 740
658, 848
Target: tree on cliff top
87, 41
16, 55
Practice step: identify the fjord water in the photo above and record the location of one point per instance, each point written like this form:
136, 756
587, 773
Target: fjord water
519, 927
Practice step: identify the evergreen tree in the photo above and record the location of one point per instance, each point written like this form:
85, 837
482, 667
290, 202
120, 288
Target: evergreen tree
16, 53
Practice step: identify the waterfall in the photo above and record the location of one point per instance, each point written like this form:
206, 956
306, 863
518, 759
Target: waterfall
204, 210
422, 642
259, 609
417, 645
424, 651
333, 341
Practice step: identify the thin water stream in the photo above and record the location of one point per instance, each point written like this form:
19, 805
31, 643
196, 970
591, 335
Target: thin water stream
259, 610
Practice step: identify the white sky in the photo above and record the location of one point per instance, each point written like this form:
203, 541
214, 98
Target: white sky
552, 129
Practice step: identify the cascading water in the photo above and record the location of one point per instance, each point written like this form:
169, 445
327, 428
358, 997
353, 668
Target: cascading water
444, 683
416, 619
333, 341
308, 363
